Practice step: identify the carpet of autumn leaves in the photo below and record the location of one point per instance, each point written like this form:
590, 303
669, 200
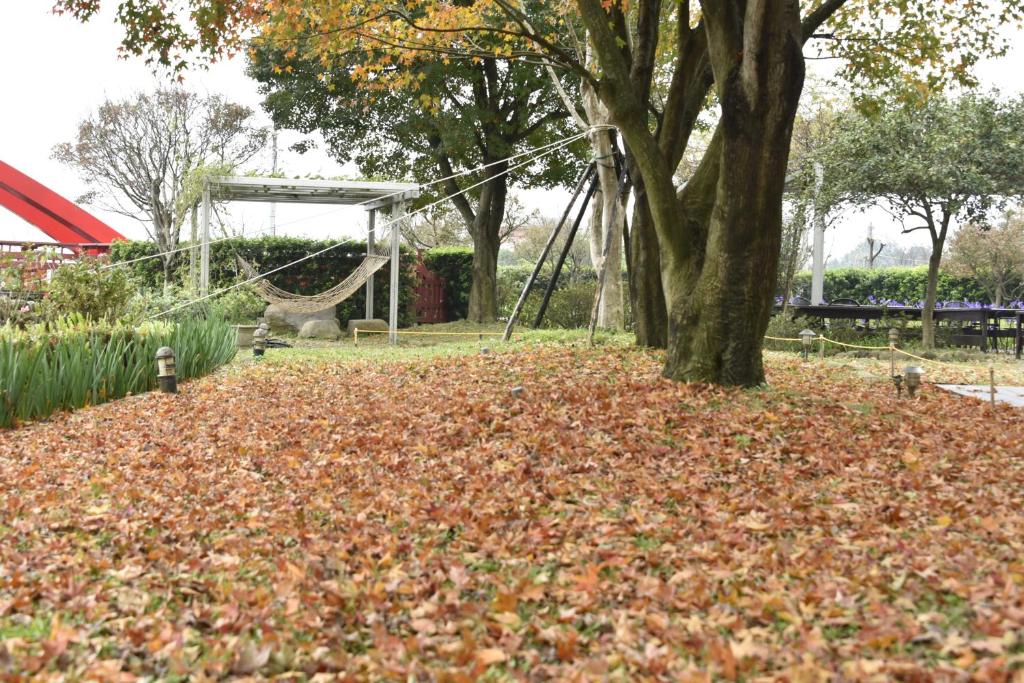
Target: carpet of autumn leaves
418, 520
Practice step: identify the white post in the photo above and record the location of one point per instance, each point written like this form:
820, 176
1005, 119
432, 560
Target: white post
273, 170
818, 254
204, 258
371, 238
397, 213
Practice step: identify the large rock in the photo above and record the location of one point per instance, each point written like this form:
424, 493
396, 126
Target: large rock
283, 320
320, 329
367, 324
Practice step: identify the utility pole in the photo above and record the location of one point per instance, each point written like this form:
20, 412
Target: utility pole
273, 171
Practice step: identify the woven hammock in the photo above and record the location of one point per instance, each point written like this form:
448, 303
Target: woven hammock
296, 303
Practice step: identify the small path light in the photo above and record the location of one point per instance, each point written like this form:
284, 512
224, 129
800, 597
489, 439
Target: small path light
165, 371
913, 374
259, 341
806, 339
894, 339
898, 381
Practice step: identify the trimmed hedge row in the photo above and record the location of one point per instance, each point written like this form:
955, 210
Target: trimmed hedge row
893, 284
267, 253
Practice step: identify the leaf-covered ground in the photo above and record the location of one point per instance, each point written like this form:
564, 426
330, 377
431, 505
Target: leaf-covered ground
421, 520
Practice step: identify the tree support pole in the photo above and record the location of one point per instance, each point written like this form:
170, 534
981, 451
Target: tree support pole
565, 253
591, 169
370, 243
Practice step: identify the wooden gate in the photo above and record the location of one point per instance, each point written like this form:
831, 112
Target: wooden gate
429, 294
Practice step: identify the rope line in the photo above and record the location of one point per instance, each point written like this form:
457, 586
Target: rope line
854, 346
556, 144
431, 334
936, 362
784, 339
380, 249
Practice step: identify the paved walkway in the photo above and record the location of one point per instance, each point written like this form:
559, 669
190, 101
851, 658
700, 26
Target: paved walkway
1013, 396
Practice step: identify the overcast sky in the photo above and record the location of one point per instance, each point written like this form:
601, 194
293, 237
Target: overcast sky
56, 71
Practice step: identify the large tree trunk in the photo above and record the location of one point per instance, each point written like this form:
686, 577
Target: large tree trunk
647, 296
483, 293
930, 296
720, 239
720, 297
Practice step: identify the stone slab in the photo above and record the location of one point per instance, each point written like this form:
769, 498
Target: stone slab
244, 338
282, 320
320, 329
373, 324
1013, 396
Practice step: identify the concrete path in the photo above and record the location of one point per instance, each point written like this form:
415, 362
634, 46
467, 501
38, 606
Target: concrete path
1013, 396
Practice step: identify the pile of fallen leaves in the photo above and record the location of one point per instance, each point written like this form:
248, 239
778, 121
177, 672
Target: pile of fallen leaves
423, 520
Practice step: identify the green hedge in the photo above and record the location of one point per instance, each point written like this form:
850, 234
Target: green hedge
455, 265
893, 284
87, 364
311, 276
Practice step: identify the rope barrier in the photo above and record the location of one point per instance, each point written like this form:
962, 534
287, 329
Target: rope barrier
853, 346
936, 362
784, 339
479, 335
431, 334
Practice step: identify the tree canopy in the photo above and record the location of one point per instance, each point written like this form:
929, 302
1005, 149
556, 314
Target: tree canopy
931, 166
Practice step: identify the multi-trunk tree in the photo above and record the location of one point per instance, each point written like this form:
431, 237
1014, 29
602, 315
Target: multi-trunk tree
716, 237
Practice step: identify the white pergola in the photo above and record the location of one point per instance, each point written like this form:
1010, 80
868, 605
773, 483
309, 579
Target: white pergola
372, 196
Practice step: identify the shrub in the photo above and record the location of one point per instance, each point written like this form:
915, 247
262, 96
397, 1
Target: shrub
239, 306
71, 364
84, 287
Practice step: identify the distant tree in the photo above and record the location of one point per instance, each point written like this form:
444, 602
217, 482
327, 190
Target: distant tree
993, 256
443, 227
138, 155
529, 244
934, 164
430, 120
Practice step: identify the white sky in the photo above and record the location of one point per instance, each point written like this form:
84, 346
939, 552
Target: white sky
56, 71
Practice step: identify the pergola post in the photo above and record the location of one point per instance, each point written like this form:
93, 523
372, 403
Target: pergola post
370, 243
204, 252
397, 214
